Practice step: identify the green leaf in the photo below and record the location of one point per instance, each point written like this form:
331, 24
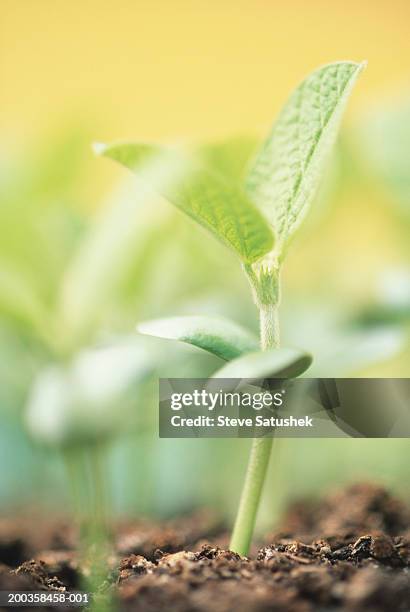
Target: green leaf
286, 172
275, 363
91, 398
229, 157
383, 135
19, 302
114, 242
216, 335
355, 351
205, 196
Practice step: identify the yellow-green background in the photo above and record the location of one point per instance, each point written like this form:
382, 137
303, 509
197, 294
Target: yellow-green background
170, 70
178, 69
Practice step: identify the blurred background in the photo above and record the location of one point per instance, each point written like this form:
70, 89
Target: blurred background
82, 258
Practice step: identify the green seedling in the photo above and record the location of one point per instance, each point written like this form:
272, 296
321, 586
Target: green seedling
256, 217
78, 408
57, 304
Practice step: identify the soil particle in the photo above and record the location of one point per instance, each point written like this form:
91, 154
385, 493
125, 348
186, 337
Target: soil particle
63, 564
41, 580
146, 538
134, 565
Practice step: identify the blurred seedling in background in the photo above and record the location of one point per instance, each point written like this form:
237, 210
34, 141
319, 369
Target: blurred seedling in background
79, 408
255, 216
60, 279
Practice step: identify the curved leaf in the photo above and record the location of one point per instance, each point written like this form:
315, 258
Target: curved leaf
275, 363
287, 170
205, 196
216, 335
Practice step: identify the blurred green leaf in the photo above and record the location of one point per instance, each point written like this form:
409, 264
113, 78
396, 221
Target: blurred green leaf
391, 305
91, 398
353, 350
229, 157
216, 335
107, 252
39, 225
19, 302
204, 195
384, 138
275, 363
340, 346
287, 170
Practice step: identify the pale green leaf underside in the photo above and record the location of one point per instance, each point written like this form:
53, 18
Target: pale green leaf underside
219, 206
216, 335
285, 174
275, 363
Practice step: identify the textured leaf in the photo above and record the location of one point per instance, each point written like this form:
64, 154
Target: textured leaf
213, 334
286, 172
275, 363
216, 204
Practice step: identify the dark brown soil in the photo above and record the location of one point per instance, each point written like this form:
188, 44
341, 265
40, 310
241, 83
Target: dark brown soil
349, 552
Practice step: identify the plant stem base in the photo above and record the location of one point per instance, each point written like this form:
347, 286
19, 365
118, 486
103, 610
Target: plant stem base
251, 494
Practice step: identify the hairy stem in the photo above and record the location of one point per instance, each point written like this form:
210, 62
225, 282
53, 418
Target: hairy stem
269, 327
260, 451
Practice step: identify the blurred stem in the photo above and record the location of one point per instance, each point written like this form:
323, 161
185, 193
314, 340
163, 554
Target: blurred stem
86, 471
77, 481
99, 497
98, 541
260, 450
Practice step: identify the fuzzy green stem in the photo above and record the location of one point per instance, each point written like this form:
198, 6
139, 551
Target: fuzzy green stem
269, 327
260, 451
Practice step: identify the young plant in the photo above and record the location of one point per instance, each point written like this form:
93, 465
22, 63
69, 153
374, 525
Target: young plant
256, 218
77, 409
